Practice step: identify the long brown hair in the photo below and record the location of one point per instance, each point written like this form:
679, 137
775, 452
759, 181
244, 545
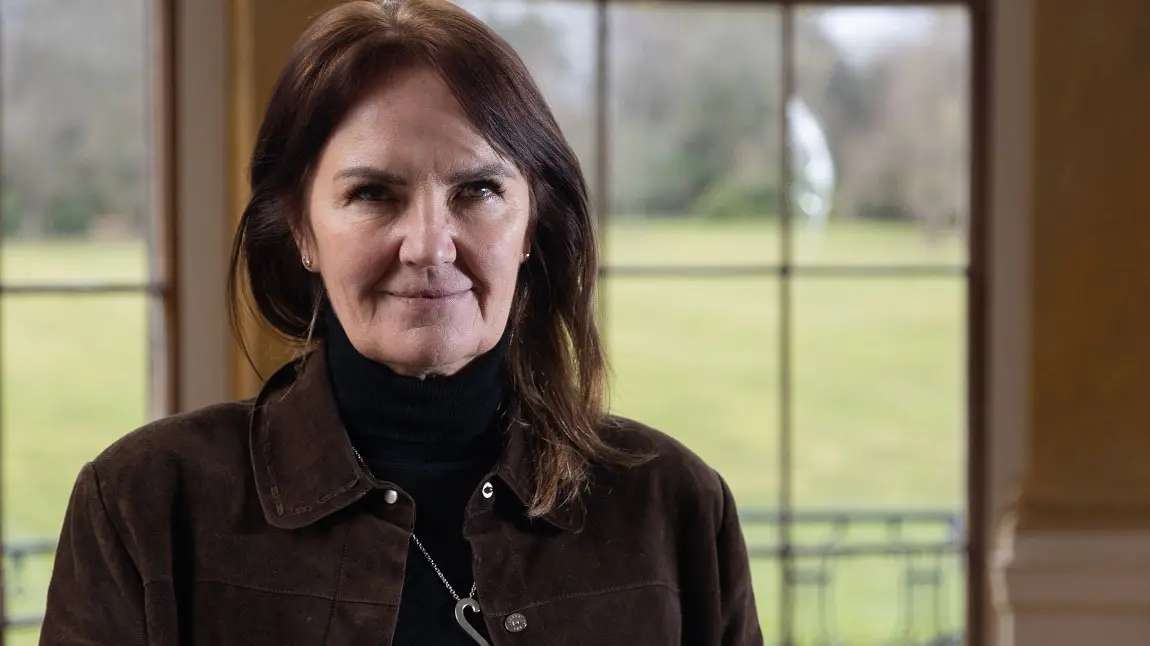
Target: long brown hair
555, 361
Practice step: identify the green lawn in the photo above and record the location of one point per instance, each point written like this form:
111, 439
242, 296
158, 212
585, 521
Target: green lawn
877, 388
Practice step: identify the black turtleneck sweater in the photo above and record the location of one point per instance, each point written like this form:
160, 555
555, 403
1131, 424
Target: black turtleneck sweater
436, 438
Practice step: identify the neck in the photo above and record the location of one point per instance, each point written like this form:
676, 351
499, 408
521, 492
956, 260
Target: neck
392, 418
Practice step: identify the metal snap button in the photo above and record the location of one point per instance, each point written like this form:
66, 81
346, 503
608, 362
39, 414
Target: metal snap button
515, 622
488, 490
390, 496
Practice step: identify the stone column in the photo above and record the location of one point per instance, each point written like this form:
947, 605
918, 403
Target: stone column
1073, 560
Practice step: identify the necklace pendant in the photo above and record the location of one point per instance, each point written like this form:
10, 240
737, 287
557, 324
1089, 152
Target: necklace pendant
467, 603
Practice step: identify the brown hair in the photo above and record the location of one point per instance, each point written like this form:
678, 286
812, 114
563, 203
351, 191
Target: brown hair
555, 361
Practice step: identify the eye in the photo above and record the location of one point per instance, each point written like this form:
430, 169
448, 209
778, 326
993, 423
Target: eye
480, 190
367, 193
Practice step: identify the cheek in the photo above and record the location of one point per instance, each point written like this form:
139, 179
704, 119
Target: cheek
502, 256
489, 262
352, 261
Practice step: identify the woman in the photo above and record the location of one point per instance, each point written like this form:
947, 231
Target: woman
439, 470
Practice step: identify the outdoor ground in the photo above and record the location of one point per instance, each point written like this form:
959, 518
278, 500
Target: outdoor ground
877, 388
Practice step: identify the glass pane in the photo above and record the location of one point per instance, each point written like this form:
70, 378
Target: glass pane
74, 379
694, 136
74, 141
904, 599
879, 454
556, 40
885, 91
697, 359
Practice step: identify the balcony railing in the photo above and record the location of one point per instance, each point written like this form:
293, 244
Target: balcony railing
912, 557
27, 564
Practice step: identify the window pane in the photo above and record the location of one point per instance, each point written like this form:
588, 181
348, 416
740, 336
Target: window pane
73, 145
697, 359
885, 90
556, 40
694, 136
74, 379
879, 451
912, 599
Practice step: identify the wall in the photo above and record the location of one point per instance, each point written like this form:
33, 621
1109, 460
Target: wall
1073, 565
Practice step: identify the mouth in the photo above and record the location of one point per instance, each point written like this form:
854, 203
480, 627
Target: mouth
429, 295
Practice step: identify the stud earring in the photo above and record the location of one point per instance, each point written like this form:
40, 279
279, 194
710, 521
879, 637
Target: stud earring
307, 261
526, 256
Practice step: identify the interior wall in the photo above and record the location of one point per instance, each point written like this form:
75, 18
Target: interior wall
1072, 565
261, 36
1089, 268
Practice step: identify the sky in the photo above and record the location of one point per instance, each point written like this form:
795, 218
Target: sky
860, 32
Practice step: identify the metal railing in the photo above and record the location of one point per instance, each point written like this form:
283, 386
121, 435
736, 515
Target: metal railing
21, 557
914, 557
913, 560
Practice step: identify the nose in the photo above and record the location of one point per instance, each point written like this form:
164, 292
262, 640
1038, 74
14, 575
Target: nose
427, 236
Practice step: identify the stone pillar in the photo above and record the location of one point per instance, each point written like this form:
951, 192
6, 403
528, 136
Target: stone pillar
262, 33
1073, 560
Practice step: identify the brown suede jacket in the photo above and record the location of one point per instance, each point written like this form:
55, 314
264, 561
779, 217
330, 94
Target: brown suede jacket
252, 523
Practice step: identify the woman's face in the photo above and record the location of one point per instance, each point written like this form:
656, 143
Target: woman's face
417, 227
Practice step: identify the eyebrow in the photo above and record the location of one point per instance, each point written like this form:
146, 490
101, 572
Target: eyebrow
372, 173
478, 173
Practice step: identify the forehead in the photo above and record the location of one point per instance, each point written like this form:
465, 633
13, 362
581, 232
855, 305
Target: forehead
411, 113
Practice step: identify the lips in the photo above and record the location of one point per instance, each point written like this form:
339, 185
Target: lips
428, 294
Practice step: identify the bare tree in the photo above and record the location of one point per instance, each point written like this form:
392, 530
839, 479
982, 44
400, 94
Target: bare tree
74, 103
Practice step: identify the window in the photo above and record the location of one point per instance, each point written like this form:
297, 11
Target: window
790, 284
784, 193
84, 265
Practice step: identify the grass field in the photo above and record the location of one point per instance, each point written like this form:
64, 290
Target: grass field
877, 383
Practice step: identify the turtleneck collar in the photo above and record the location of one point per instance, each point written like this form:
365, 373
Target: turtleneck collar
392, 418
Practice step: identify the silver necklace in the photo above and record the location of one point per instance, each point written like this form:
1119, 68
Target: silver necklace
461, 605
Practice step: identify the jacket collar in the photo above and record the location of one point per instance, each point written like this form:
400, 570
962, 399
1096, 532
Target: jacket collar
303, 462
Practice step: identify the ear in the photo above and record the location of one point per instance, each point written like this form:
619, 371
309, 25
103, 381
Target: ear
532, 221
307, 250
528, 238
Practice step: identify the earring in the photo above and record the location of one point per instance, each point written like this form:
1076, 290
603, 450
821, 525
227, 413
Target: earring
307, 261
526, 256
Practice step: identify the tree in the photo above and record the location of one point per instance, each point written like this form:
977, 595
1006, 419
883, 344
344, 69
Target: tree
897, 124
695, 107
74, 100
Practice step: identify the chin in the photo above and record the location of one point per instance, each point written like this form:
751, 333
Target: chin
425, 354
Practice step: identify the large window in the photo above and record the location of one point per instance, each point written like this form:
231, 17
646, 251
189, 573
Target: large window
790, 280
83, 270
784, 195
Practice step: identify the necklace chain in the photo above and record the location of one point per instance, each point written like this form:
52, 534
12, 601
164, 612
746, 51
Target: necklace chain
435, 567
419, 543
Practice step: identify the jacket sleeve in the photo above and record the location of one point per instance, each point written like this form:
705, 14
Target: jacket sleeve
96, 595
739, 614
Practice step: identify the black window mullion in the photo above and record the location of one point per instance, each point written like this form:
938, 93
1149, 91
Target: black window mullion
787, 596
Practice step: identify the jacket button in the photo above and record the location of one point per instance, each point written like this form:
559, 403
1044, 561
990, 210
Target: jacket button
390, 496
488, 490
515, 622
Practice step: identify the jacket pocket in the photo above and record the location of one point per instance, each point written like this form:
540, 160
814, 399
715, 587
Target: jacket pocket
226, 614
639, 614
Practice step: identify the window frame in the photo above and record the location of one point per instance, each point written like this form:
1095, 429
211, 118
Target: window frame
975, 274
161, 286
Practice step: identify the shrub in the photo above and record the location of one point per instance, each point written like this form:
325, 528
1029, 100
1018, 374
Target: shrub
11, 214
72, 214
729, 200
